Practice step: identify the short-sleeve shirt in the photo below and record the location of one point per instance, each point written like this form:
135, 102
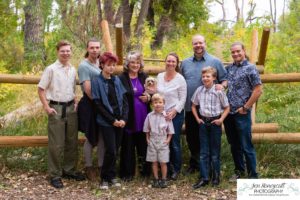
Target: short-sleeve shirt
59, 82
211, 101
157, 125
242, 78
87, 71
191, 69
174, 91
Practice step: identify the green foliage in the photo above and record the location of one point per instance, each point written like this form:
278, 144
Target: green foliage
283, 55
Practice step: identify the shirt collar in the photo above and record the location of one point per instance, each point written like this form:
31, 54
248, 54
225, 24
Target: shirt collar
204, 57
209, 89
59, 64
240, 64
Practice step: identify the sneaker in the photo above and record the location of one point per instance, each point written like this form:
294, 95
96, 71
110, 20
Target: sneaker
155, 183
114, 182
90, 173
104, 185
163, 183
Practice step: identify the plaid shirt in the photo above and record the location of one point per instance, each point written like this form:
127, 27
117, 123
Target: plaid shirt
211, 101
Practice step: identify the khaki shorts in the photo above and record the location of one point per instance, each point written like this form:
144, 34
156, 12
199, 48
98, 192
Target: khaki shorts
157, 150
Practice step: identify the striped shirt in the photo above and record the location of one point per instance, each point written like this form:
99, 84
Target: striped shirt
211, 101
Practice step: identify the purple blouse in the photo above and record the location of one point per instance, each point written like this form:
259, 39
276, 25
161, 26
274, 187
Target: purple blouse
140, 108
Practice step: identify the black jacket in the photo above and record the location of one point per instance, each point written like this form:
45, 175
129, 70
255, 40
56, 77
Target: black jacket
124, 77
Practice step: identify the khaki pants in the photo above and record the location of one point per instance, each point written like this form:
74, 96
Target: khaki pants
63, 141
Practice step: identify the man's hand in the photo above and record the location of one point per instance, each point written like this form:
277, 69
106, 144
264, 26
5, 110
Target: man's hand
50, 111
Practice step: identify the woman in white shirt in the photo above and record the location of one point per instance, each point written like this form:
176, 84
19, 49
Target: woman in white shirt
172, 86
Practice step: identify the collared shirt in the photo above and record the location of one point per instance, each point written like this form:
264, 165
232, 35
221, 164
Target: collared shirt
157, 125
59, 82
174, 91
191, 69
87, 71
211, 101
242, 79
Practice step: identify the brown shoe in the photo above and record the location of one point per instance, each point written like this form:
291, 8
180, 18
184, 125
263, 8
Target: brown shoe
90, 173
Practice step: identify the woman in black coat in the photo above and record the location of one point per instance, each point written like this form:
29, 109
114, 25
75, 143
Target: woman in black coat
134, 139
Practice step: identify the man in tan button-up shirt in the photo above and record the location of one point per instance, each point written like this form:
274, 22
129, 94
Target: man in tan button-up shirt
57, 85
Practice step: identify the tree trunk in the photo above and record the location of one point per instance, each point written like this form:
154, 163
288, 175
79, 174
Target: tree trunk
127, 15
118, 17
150, 15
237, 9
109, 11
34, 32
273, 14
99, 13
221, 2
160, 33
141, 19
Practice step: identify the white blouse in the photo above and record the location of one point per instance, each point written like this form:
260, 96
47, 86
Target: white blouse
174, 91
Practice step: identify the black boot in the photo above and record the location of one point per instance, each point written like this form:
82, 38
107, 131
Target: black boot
215, 179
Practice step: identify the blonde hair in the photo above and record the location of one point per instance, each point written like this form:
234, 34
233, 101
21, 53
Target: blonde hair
157, 97
210, 70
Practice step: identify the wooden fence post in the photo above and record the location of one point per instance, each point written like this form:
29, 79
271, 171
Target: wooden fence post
119, 43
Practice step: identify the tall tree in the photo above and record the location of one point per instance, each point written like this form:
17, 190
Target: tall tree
176, 15
127, 8
141, 18
222, 4
109, 11
34, 32
273, 13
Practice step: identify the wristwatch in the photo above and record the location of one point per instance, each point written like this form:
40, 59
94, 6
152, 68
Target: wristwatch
245, 108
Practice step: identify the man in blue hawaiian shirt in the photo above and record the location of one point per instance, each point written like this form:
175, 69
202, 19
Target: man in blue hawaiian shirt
244, 89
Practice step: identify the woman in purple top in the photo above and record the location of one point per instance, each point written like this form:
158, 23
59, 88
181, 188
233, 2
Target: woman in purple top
134, 139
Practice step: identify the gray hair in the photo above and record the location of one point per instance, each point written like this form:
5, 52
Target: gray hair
133, 55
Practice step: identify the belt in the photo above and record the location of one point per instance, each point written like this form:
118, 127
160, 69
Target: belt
61, 103
64, 106
209, 119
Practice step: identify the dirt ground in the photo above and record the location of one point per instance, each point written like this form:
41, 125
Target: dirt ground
34, 185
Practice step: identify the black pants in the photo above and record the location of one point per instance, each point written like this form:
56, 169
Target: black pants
132, 144
192, 138
112, 137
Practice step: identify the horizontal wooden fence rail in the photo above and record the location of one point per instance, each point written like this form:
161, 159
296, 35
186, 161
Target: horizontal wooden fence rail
266, 78
39, 141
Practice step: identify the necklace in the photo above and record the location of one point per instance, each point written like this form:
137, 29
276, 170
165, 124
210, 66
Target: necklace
134, 85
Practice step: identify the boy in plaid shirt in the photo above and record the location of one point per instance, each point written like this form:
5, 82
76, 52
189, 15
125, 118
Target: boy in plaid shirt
213, 108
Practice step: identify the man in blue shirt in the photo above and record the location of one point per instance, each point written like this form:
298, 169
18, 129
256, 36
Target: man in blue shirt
191, 70
244, 89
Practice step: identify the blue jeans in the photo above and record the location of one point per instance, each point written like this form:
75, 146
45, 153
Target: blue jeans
210, 148
175, 145
238, 131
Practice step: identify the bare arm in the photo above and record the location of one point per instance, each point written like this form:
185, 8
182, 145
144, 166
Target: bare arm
42, 96
169, 137
253, 98
148, 137
195, 113
87, 88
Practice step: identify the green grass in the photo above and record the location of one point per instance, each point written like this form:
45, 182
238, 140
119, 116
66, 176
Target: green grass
278, 104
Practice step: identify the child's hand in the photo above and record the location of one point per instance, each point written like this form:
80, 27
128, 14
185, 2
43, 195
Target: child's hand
217, 122
167, 141
122, 123
148, 141
200, 121
116, 123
